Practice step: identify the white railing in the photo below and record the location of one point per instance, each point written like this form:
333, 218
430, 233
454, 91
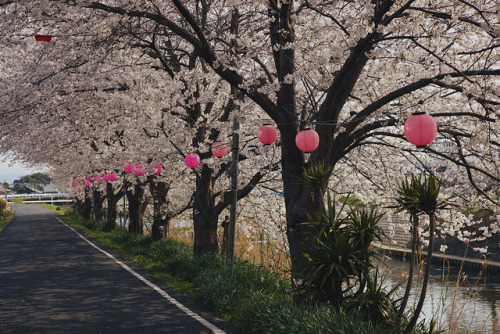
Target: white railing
22, 196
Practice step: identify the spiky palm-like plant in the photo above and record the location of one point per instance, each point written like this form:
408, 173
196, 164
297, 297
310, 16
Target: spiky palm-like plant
421, 196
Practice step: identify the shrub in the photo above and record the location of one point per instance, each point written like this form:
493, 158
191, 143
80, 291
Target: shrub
339, 257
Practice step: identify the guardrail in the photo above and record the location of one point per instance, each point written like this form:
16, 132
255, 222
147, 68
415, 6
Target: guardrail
52, 201
51, 195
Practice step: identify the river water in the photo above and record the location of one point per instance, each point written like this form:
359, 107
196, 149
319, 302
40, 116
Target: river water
458, 301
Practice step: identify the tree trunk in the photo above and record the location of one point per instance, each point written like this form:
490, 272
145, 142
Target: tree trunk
300, 200
79, 206
204, 219
87, 205
161, 220
97, 204
136, 209
112, 200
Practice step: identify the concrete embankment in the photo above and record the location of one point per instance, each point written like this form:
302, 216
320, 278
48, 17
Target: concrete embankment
490, 267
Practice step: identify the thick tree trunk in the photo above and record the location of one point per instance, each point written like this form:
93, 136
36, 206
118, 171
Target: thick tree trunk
79, 206
136, 209
300, 201
87, 205
112, 200
302, 211
97, 204
204, 220
161, 220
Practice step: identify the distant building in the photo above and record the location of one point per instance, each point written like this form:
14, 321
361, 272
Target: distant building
49, 189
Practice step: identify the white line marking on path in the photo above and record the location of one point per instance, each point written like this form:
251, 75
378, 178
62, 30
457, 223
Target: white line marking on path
153, 286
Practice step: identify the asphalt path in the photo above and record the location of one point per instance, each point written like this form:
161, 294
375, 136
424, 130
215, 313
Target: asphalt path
54, 281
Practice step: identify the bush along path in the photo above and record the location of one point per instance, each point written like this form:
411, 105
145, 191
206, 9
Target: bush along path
255, 301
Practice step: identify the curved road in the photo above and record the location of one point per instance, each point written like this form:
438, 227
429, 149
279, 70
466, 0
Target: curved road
53, 281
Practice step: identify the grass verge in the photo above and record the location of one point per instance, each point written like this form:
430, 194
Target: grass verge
4, 222
254, 301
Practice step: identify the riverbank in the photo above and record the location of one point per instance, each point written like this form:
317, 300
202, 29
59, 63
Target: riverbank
489, 267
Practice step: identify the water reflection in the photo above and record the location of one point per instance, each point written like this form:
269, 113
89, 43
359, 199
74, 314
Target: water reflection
457, 301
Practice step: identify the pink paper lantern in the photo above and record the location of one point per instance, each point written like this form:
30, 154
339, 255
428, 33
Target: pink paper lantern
89, 178
78, 181
139, 172
79, 190
88, 184
157, 169
192, 160
420, 129
98, 178
267, 134
307, 140
73, 184
112, 177
105, 177
129, 168
219, 149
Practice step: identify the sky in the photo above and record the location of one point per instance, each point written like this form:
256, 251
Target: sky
10, 173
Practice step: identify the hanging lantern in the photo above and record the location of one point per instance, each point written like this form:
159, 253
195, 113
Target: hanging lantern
73, 184
156, 169
88, 184
89, 178
219, 149
267, 134
192, 160
43, 38
139, 172
129, 168
111, 177
78, 181
79, 190
307, 140
420, 129
98, 178
105, 177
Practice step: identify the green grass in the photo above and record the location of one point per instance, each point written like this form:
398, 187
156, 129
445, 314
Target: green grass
59, 210
255, 301
4, 222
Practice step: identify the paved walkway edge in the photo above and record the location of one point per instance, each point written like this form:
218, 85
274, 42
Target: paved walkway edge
153, 286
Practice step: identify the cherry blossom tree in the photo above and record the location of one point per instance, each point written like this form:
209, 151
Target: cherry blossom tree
353, 71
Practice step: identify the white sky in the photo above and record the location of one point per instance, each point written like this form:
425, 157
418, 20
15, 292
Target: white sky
14, 172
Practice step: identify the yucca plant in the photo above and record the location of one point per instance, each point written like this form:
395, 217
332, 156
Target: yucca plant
421, 196
406, 201
377, 304
339, 258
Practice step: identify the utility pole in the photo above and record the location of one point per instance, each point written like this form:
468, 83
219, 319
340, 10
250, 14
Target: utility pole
234, 149
124, 199
234, 189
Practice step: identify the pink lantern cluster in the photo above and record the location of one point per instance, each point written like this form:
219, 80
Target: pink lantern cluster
156, 169
109, 177
307, 140
140, 169
106, 178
